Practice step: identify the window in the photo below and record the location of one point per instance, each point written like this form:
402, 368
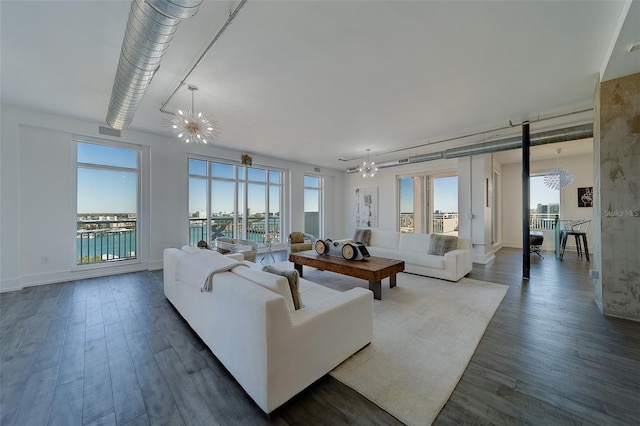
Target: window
409, 206
445, 204
233, 201
108, 186
544, 204
313, 205
419, 195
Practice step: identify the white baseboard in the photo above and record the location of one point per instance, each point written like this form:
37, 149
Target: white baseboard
11, 284
484, 259
156, 265
34, 280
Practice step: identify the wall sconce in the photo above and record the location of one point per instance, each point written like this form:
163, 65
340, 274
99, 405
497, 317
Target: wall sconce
246, 160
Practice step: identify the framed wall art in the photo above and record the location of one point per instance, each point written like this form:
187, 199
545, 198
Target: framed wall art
585, 197
367, 207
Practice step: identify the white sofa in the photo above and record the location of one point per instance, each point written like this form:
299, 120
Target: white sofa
414, 248
249, 323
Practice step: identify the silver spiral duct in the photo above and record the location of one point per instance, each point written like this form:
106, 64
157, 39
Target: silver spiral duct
560, 135
151, 26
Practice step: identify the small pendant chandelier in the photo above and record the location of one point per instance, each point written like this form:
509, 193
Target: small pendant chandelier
368, 168
192, 127
558, 178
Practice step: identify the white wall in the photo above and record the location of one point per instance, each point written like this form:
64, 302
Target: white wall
582, 168
37, 209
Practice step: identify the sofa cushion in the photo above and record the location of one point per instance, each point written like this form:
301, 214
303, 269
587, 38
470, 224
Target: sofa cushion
362, 236
385, 239
385, 252
423, 259
275, 283
293, 277
441, 244
313, 293
414, 242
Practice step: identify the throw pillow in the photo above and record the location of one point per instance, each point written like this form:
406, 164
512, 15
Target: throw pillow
296, 237
223, 251
441, 244
362, 236
292, 277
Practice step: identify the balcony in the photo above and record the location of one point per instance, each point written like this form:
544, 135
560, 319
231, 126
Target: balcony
223, 227
443, 223
543, 221
100, 241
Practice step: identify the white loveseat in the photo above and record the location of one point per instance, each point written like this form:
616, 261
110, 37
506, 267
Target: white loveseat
414, 250
249, 322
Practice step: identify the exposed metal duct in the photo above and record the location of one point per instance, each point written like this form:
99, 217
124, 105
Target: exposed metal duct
553, 136
560, 135
150, 29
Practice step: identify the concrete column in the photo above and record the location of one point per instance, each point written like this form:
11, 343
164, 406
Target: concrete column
617, 199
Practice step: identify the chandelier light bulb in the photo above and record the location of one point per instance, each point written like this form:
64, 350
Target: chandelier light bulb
193, 126
368, 168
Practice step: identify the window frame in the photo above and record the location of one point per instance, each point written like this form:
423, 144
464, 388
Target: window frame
320, 191
426, 194
142, 190
240, 180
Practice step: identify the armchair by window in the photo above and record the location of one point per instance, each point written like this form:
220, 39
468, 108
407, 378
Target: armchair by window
248, 248
300, 241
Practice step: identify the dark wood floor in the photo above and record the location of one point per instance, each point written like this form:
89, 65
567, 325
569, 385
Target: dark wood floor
112, 350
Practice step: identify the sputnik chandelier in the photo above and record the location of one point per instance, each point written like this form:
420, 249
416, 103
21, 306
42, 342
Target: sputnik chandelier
368, 168
193, 127
558, 178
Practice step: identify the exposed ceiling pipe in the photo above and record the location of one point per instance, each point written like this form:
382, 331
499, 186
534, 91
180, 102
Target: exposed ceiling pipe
560, 135
150, 29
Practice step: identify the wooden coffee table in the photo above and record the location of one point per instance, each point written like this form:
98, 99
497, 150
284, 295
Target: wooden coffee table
372, 269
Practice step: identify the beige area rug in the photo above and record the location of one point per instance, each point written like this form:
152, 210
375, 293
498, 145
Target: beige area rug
425, 332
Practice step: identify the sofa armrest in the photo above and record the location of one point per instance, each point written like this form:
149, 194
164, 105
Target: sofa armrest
460, 261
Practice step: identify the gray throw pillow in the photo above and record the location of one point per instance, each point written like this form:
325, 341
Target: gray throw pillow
292, 277
441, 244
362, 236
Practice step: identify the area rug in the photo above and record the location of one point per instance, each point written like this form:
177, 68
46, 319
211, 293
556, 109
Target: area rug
425, 332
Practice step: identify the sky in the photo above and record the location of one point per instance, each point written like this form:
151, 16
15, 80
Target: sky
540, 194
107, 191
445, 194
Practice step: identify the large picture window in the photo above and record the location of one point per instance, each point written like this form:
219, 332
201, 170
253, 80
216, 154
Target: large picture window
233, 201
428, 204
313, 205
108, 186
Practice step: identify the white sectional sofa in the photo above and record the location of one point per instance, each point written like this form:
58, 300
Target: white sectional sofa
414, 250
249, 322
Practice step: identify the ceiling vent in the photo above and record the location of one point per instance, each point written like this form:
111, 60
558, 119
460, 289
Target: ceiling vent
108, 131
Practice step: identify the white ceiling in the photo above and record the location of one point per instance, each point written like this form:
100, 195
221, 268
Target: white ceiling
315, 81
